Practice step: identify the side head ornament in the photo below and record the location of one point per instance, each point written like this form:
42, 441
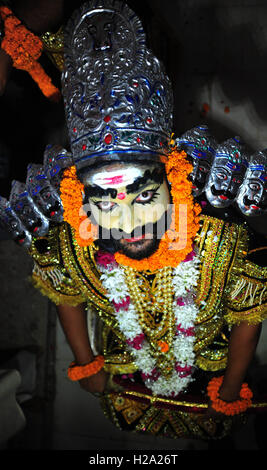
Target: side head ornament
252, 195
200, 147
55, 160
43, 194
11, 223
227, 172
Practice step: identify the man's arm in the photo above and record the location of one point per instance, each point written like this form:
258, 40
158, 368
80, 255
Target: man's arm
74, 324
242, 346
243, 343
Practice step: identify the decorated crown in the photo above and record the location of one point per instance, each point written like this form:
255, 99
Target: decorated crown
118, 98
198, 142
235, 151
258, 165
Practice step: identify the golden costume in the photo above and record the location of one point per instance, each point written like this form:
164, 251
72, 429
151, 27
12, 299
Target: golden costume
230, 290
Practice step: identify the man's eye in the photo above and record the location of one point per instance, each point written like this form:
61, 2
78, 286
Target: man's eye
145, 196
105, 205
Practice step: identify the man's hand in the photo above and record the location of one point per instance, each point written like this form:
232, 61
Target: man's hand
96, 383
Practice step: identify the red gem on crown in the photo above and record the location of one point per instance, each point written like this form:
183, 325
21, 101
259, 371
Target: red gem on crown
107, 118
84, 147
108, 139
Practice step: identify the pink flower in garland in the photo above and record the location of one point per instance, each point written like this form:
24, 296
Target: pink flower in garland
123, 304
137, 342
189, 257
185, 331
153, 376
180, 301
183, 371
104, 258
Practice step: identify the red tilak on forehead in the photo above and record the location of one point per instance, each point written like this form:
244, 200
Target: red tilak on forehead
115, 179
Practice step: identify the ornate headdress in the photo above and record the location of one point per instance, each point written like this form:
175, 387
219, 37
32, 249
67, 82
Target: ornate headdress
251, 198
227, 172
201, 146
117, 97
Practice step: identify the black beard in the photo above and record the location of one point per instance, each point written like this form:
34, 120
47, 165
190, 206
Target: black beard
111, 241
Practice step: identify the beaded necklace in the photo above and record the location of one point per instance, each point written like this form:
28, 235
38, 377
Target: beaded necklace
158, 326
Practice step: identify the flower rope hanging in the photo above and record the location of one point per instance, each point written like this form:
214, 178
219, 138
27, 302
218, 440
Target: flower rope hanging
25, 48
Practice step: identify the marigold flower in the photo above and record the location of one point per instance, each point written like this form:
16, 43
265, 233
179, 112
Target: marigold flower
163, 346
228, 408
25, 48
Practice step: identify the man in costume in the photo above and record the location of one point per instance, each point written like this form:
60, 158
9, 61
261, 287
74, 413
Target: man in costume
174, 304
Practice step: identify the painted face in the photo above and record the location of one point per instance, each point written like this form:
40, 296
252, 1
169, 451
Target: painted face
252, 196
129, 204
223, 185
227, 173
27, 211
49, 203
200, 147
12, 224
43, 194
199, 175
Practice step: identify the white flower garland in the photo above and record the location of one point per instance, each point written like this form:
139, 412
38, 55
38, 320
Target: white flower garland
184, 281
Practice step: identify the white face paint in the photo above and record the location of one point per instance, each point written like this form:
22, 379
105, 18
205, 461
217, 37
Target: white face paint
115, 178
128, 209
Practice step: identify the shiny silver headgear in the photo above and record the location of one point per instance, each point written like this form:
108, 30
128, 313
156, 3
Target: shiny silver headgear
55, 160
227, 172
28, 212
43, 194
118, 99
12, 224
201, 146
252, 196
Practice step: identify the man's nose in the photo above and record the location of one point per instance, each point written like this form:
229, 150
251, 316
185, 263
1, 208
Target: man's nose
127, 220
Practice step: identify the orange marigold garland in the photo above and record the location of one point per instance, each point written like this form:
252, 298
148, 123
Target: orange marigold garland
170, 252
76, 372
25, 48
229, 408
71, 190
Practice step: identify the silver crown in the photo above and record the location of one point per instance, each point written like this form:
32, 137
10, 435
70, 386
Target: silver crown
235, 151
198, 143
118, 98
